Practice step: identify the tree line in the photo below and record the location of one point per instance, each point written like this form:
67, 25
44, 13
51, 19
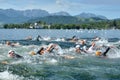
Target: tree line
108, 24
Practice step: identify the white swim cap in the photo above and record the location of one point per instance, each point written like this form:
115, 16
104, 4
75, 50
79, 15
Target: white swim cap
10, 51
77, 46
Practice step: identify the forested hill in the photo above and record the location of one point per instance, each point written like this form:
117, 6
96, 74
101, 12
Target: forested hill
66, 20
22, 16
37, 18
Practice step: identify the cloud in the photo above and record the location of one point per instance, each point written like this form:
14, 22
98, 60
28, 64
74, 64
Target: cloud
88, 2
68, 5
88, 5
62, 3
20, 4
59, 2
101, 2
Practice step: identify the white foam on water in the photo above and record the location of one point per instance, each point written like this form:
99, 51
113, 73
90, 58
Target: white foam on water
46, 38
102, 41
9, 76
17, 62
71, 49
115, 53
51, 61
59, 50
60, 39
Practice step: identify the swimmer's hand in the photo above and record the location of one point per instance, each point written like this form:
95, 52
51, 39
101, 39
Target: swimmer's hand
4, 62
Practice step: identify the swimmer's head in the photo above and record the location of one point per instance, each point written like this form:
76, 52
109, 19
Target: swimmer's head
77, 46
98, 53
11, 51
32, 53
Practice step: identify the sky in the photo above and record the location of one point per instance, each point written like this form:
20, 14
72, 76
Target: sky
108, 8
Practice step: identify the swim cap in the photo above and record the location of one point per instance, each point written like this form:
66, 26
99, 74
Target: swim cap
97, 53
32, 53
10, 51
77, 46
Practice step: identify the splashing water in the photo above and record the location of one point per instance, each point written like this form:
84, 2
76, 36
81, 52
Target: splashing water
62, 64
51, 66
9, 76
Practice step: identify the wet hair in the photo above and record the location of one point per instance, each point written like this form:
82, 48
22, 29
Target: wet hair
8, 43
39, 52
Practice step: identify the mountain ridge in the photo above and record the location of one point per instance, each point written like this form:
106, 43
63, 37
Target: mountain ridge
90, 15
20, 16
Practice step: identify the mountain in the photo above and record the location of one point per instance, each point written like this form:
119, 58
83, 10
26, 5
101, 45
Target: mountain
90, 15
57, 20
35, 13
11, 12
21, 16
65, 20
25, 13
17, 16
62, 13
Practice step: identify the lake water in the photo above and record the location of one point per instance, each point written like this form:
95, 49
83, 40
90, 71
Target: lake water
19, 34
55, 67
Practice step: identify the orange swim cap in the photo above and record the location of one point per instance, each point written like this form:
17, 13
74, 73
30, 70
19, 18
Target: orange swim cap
97, 53
32, 53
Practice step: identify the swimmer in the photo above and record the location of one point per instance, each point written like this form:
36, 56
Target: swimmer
28, 38
41, 51
77, 49
96, 38
92, 48
104, 54
12, 54
73, 39
8, 43
49, 49
81, 48
4, 62
38, 38
67, 56
32, 53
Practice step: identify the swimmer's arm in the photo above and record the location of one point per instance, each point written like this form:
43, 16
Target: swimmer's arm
4, 62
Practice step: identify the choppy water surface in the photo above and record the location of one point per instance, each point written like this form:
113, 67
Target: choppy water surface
55, 67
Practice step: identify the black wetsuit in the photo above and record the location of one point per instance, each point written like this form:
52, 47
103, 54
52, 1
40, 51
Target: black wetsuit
104, 53
17, 56
39, 51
